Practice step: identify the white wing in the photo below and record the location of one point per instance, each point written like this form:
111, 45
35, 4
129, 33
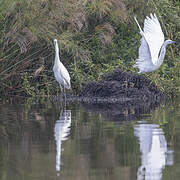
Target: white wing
144, 53
61, 74
154, 36
144, 59
66, 76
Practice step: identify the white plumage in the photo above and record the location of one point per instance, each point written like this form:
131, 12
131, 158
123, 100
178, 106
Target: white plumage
60, 72
153, 47
155, 154
61, 132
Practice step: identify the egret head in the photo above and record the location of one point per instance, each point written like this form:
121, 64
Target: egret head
56, 45
55, 42
169, 41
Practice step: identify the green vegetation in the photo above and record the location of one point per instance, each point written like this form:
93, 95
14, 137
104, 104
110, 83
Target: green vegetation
95, 37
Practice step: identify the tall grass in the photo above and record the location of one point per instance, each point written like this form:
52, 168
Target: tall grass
94, 37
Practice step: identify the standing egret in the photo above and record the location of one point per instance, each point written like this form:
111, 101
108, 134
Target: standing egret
153, 47
60, 72
61, 132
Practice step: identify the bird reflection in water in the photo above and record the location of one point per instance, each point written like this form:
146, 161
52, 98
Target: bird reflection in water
61, 132
154, 152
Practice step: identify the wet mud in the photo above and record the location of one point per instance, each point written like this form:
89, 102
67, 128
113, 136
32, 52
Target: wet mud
120, 87
119, 95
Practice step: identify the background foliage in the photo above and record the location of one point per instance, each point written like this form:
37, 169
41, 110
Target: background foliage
95, 37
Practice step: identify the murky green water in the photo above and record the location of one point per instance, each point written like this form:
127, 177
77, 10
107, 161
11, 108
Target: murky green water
41, 140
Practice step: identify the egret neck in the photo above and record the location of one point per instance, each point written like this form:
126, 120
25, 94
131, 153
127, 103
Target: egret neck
163, 51
57, 60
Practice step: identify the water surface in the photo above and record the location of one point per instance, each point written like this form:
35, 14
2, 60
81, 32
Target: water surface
44, 140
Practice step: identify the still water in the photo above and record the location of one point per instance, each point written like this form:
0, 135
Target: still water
45, 141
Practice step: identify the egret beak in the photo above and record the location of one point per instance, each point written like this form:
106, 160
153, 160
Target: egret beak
177, 42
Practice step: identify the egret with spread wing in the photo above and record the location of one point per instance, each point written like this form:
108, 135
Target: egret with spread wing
60, 72
153, 47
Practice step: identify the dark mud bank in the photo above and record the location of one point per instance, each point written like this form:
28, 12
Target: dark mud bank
120, 87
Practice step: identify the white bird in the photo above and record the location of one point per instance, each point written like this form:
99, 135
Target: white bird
61, 132
60, 72
153, 47
155, 154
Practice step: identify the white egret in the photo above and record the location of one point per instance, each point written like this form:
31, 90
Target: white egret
153, 47
61, 132
60, 72
155, 154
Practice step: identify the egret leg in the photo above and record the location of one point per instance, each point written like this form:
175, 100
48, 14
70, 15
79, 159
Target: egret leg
61, 95
61, 88
65, 94
61, 113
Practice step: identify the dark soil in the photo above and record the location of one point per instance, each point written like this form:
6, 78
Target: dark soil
119, 86
119, 96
